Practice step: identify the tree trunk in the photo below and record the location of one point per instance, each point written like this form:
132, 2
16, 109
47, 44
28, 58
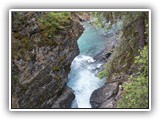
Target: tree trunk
141, 29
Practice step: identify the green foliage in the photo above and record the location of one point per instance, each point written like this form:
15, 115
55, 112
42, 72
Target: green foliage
49, 26
142, 60
102, 74
105, 20
123, 58
54, 21
136, 91
100, 20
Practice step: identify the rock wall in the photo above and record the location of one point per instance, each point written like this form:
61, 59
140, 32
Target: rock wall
107, 95
38, 80
118, 68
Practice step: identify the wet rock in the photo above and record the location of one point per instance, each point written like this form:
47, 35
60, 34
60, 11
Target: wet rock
103, 94
107, 52
65, 99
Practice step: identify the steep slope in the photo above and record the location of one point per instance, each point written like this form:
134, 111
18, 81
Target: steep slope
126, 67
43, 47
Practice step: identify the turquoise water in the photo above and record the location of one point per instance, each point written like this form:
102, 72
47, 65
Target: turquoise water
82, 77
92, 41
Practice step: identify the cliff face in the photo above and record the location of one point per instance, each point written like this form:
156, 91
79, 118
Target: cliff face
40, 70
125, 68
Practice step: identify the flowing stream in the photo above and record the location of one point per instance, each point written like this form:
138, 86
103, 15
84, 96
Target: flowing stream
82, 77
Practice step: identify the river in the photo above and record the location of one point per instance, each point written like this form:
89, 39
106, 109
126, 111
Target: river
82, 77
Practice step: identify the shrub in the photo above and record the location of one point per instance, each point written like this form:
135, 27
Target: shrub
102, 74
136, 90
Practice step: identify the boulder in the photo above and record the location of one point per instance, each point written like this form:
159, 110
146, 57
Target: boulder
104, 96
65, 99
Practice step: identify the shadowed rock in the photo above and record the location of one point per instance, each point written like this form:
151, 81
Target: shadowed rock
42, 76
65, 99
103, 94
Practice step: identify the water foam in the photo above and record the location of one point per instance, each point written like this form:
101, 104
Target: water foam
83, 80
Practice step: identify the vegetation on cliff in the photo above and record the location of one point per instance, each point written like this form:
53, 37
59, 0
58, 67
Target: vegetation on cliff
136, 91
129, 57
31, 29
43, 46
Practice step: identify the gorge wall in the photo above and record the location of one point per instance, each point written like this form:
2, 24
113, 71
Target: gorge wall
126, 65
44, 45
41, 58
